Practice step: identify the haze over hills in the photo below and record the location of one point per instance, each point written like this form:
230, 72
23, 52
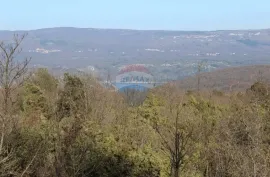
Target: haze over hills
171, 54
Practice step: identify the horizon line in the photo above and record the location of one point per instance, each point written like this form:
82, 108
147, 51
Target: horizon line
134, 29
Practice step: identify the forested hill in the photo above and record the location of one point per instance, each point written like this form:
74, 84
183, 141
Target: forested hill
229, 79
78, 47
72, 127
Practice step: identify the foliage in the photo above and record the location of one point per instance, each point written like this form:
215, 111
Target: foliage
72, 97
74, 127
34, 101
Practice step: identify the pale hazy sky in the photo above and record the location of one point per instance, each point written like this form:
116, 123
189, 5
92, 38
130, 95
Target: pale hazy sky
135, 14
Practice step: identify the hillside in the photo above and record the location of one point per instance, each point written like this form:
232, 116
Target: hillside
171, 54
230, 79
71, 126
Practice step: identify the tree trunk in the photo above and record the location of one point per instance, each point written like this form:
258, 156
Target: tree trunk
176, 171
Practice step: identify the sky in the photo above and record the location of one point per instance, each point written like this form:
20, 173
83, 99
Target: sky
196, 15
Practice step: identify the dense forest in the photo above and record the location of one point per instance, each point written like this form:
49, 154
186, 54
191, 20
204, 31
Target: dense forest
73, 127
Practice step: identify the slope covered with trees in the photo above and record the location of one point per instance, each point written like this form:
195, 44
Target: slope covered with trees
229, 79
72, 127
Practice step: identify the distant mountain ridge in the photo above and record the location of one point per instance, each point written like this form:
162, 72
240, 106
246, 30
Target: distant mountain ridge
172, 53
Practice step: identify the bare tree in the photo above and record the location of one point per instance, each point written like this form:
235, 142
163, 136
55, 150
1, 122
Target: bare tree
12, 71
260, 76
175, 143
12, 75
199, 70
173, 123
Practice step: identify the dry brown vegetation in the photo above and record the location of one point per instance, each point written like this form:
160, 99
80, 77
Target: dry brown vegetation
72, 127
230, 79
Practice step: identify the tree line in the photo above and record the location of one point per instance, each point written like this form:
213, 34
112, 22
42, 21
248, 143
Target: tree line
73, 127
